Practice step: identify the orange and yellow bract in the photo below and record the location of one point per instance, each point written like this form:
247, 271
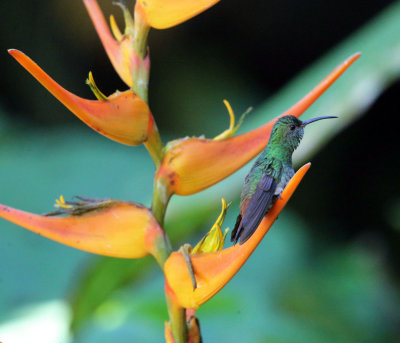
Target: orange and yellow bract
214, 270
124, 230
163, 14
123, 117
193, 164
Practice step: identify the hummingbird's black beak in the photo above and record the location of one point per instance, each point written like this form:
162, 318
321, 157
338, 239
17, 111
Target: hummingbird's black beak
315, 119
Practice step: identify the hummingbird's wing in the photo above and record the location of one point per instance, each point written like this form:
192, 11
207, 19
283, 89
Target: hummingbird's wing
256, 208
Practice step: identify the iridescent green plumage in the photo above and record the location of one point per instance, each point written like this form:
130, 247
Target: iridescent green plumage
269, 175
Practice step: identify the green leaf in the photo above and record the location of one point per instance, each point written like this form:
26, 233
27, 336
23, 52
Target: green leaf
101, 280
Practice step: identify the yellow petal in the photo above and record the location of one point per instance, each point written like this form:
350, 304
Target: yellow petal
193, 164
124, 230
232, 127
123, 117
214, 270
162, 14
214, 239
93, 87
115, 29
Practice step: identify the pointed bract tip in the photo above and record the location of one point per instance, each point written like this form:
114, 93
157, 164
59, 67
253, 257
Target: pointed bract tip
352, 58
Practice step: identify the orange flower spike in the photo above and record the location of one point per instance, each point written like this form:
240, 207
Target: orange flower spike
119, 229
193, 164
163, 14
123, 116
214, 270
120, 51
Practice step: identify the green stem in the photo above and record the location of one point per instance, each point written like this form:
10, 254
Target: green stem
177, 315
161, 196
155, 147
141, 30
140, 76
159, 205
142, 71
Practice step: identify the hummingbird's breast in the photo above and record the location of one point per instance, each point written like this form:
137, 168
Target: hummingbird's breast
287, 174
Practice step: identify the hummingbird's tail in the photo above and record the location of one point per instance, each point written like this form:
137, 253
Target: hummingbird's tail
236, 232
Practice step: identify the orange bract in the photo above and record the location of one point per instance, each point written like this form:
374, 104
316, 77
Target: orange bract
193, 164
214, 270
162, 14
124, 230
123, 117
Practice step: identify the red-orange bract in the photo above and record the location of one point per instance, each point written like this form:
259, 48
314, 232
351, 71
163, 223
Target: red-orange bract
125, 230
123, 116
214, 270
193, 164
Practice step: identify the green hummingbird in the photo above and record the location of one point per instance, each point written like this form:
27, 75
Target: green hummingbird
269, 175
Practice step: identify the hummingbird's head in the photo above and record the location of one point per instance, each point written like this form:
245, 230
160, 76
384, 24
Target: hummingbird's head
288, 131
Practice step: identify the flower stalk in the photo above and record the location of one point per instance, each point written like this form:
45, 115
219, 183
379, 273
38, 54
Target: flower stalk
177, 316
141, 63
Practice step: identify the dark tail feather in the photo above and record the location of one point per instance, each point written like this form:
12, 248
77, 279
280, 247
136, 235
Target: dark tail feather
236, 231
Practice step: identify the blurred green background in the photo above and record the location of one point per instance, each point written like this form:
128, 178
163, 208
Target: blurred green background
328, 271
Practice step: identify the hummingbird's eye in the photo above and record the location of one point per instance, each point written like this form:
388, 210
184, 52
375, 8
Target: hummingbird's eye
292, 127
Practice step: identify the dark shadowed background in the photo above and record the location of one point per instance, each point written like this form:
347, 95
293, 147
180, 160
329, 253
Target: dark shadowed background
329, 269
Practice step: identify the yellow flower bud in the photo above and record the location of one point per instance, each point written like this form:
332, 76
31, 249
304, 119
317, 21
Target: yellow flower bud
214, 240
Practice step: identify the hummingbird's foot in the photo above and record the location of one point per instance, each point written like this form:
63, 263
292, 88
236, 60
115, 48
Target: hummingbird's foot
185, 251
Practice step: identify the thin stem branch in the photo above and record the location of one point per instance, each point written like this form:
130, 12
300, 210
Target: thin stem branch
142, 71
155, 146
161, 196
177, 315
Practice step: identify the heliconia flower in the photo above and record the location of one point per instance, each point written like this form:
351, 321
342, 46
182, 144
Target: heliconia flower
214, 240
123, 116
163, 14
120, 48
100, 226
214, 270
193, 164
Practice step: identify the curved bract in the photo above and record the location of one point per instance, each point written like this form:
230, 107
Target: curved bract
193, 164
124, 230
123, 116
163, 14
214, 270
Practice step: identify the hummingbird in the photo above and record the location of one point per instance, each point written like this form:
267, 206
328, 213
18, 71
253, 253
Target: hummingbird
269, 175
